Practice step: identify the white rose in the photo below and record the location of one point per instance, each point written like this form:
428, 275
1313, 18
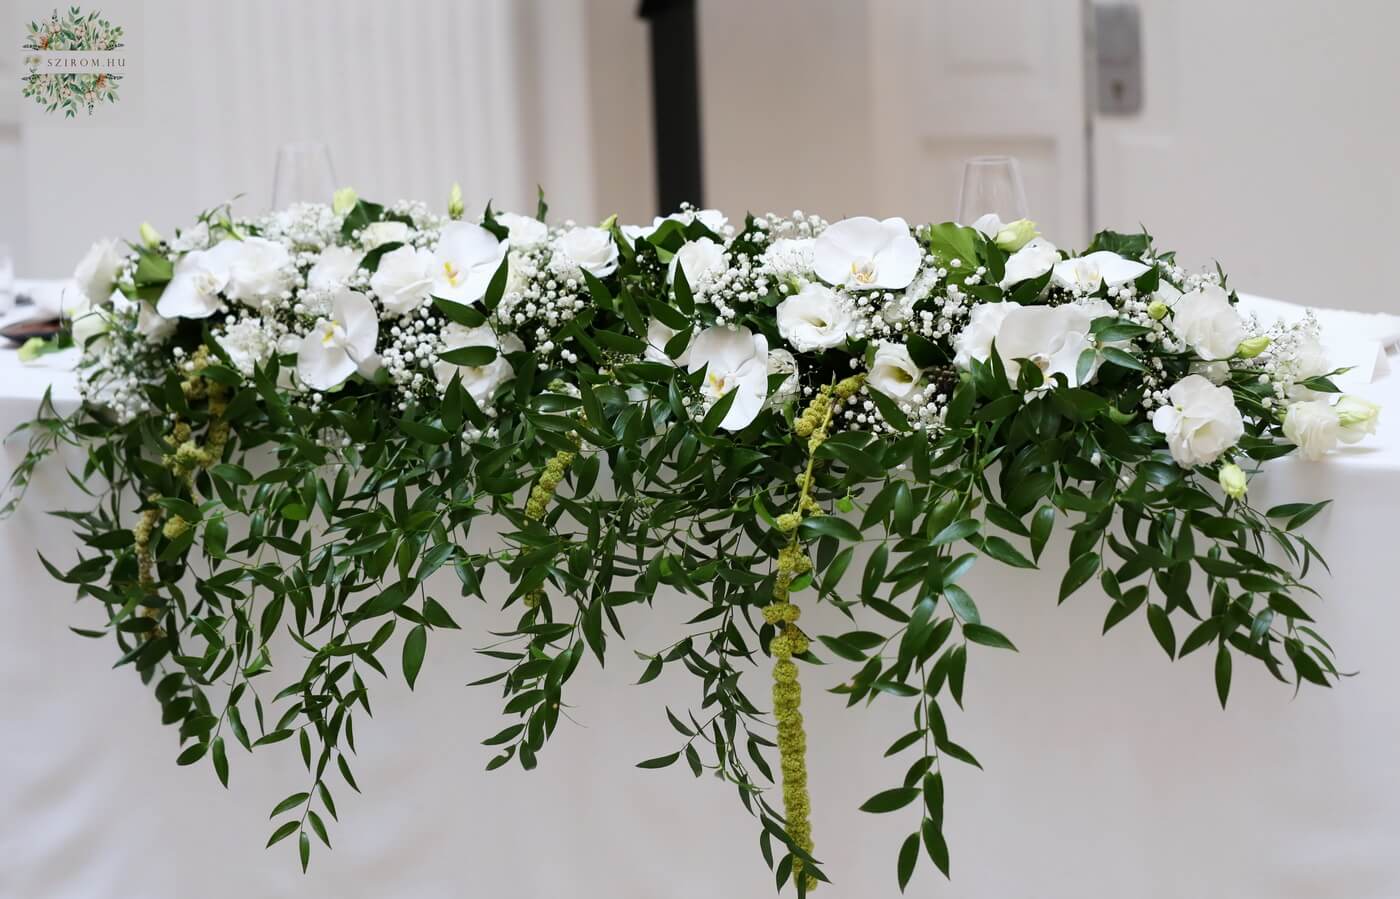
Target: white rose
864, 254
1314, 426
1206, 322
97, 270
259, 270
522, 230
1030, 262
1357, 417
197, 282
734, 359
781, 362
376, 234
700, 259
340, 344
814, 319
658, 335
334, 268
591, 249
464, 262
1201, 421
893, 372
404, 279
1086, 274
480, 381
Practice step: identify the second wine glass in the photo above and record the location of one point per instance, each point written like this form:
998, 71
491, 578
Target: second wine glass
303, 175
992, 184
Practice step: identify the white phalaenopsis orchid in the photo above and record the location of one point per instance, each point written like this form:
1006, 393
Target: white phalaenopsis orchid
404, 279
893, 371
1205, 320
815, 318
1200, 421
97, 270
1051, 337
734, 359
863, 253
1030, 262
466, 258
199, 279
480, 381
591, 249
1086, 274
340, 344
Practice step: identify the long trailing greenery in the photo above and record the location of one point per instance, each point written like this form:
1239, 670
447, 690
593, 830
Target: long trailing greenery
594, 465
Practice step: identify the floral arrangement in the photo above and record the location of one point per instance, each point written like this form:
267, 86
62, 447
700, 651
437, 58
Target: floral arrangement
298, 419
71, 91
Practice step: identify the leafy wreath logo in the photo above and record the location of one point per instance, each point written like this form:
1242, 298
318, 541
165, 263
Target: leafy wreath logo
71, 91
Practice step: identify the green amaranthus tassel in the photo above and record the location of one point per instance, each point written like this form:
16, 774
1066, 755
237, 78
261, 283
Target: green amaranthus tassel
538, 503
790, 640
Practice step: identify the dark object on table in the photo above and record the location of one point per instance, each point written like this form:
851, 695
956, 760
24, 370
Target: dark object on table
20, 332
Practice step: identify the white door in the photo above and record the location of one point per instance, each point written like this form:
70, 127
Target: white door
950, 79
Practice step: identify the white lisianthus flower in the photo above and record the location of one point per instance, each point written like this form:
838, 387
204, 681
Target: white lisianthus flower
700, 259
1215, 372
522, 230
1314, 426
989, 224
893, 372
89, 326
376, 234
734, 359
1307, 360
466, 258
1206, 322
151, 324
341, 344
864, 254
1015, 235
1032, 261
259, 270
480, 381
814, 319
658, 335
1200, 422
712, 219
97, 270
1051, 337
334, 268
781, 362
197, 282
1357, 417
1086, 274
591, 249
404, 279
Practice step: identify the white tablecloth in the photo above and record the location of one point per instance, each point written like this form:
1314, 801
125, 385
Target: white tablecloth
1110, 771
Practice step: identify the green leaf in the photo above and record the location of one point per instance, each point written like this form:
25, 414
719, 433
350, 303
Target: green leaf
660, 761
829, 526
304, 846
908, 857
1004, 552
980, 633
890, 800
1122, 358
459, 314
220, 761
956, 531
935, 845
425, 432
414, 647
282, 833
1161, 625
1079, 573
472, 356
1222, 674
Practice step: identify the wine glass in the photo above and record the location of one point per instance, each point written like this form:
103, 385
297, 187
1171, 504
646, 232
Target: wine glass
992, 184
7, 280
303, 174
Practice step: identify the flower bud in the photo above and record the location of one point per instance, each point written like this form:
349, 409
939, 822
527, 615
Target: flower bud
1157, 309
1357, 417
32, 349
150, 236
344, 200
454, 202
1233, 480
1016, 235
1252, 347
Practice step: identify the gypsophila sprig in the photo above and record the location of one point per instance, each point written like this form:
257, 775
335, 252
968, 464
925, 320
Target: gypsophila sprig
298, 424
